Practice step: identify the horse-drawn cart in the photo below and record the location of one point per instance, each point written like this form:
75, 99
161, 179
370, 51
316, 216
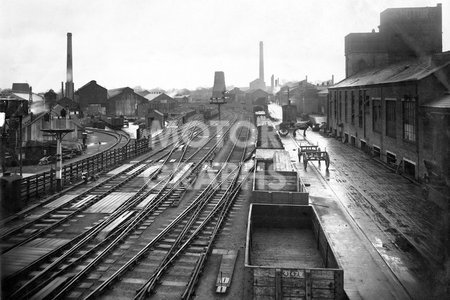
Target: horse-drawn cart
286, 127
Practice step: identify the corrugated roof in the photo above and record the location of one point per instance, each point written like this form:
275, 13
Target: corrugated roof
162, 96
115, 92
143, 93
404, 71
260, 91
26, 96
69, 103
88, 84
20, 87
443, 102
152, 95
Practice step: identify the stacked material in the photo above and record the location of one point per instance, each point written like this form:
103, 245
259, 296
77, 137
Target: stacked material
282, 161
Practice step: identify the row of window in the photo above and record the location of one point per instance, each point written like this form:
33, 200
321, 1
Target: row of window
339, 109
406, 165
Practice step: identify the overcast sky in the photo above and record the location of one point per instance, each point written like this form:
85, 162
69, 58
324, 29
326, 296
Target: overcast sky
180, 43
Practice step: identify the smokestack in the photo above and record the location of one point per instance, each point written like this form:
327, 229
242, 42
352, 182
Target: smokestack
69, 79
332, 79
261, 61
272, 79
62, 89
30, 99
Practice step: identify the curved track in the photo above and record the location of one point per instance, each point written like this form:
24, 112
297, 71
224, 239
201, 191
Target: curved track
148, 187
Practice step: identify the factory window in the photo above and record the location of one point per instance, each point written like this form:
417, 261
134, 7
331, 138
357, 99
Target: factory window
363, 145
376, 151
409, 168
409, 119
390, 118
353, 108
391, 158
346, 108
330, 108
376, 115
360, 109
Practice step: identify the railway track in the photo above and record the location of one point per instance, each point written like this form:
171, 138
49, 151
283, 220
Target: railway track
50, 215
54, 263
163, 144
385, 230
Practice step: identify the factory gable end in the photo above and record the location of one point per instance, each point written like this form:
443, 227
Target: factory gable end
124, 102
92, 93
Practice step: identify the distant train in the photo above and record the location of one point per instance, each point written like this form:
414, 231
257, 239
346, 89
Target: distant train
115, 122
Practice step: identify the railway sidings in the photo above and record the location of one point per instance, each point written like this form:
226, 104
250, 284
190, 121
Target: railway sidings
159, 212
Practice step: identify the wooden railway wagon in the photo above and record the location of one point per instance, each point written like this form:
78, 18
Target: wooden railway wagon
268, 138
275, 180
188, 114
210, 113
115, 122
289, 256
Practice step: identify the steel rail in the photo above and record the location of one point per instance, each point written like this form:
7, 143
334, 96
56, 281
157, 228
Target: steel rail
223, 203
93, 232
149, 286
149, 245
117, 213
95, 187
139, 218
26, 211
189, 290
103, 223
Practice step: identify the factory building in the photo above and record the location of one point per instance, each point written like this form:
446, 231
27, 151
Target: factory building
92, 98
307, 97
395, 102
404, 33
259, 99
50, 98
163, 102
123, 102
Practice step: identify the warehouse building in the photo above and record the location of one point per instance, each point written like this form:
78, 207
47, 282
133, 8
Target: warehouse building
397, 106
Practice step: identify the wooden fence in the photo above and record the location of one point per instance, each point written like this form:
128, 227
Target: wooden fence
45, 183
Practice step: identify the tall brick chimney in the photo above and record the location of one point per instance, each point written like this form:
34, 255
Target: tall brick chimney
261, 61
69, 78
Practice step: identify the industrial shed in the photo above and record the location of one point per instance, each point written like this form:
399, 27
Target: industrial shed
123, 102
